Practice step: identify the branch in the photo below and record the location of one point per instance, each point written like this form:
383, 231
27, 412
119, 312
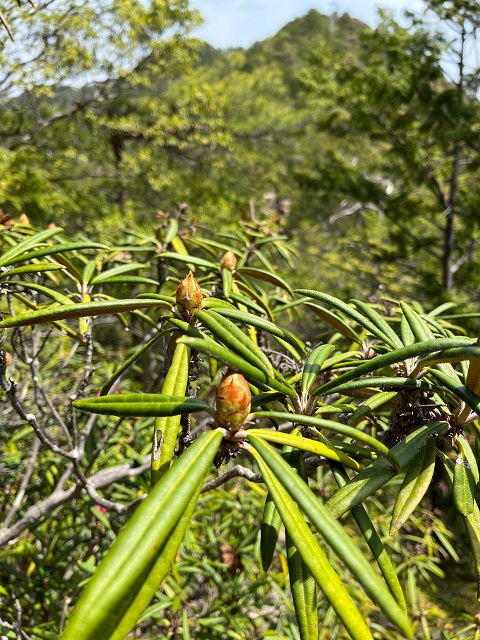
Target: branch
237, 472
61, 496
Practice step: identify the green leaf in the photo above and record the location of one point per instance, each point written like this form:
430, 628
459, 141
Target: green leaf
20, 250
311, 552
415, 484
398, 355
264, 325
62, 312
470, 398
51, 250
371, 404
337, 427
331, 530
306, 444
463, 487
335, 321
171, 231
117, 271
373, 540
141, 405
384, 382
382, 325
313, 365
167, 428
235, 362
271, 523
36, 267
46, 291
140, 547
302, 582
227, 280
344, 308
234, 338
271, 278
368, 481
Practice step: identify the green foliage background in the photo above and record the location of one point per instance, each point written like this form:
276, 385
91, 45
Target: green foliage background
353, 154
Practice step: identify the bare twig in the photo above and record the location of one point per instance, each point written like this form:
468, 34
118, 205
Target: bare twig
62, 496
24, 484
236, 472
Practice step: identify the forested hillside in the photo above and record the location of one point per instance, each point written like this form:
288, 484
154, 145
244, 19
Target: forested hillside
354, 138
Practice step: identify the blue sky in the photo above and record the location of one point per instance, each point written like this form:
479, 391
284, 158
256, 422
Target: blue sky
240, 23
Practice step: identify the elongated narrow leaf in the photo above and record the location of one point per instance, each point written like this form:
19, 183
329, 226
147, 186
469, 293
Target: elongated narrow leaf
382, 325
227, 280
337, 427
271, 523
237, 363
215, 303
141, 405
17, 253
371, 404
234, 338
333, 532
117, 271
463, 487
264, 325
36, 267
306, 444
46, 291
454, 355
470, 398
139, 547
266, 277
373, 540
422, 332
155, 577
334, 321
473, 378
415, 484
167, 428
398, 355
171, 231
313, 365
52, 250
344, 308
472, 520
311, 552
406, 332
469, 456
246, 301
302, 582
383, 382
62, 312
368, 481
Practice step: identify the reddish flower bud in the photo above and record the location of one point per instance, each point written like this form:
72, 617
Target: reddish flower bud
229, 261
233, 401
189, 296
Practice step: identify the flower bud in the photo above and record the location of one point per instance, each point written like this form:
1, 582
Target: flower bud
233, 401
189, 296
229, 261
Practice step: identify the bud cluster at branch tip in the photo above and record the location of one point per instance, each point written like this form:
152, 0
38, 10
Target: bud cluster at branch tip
189, 296
232, 401
229, 261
